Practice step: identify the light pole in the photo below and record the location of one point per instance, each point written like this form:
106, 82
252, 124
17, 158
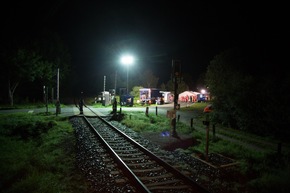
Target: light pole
127, 60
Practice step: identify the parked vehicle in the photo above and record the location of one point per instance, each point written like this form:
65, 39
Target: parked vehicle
149, 95
155, 96
167, 96
201, 98
127, 100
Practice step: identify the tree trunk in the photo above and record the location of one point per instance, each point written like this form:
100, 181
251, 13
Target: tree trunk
11, 90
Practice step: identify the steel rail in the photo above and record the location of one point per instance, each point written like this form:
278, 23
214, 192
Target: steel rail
167, 166
141, 187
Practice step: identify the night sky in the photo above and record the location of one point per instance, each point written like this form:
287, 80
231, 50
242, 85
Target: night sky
155, 32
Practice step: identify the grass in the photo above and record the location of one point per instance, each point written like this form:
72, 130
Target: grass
37, 152
28, 106
261, 171
151, 123
37, 155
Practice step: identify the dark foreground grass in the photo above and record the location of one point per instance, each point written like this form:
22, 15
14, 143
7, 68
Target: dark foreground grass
37, 155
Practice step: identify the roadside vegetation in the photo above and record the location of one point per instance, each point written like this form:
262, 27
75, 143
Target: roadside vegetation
28, 106
260, 171
37, 154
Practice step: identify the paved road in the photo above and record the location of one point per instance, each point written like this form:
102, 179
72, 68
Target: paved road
73, 110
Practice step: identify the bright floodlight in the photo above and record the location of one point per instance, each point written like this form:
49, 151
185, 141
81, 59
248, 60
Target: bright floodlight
127, 60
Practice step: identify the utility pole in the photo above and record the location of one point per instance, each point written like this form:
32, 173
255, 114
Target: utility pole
115, 83
176, 75
104, 93
57, 95
206, 123
45, 92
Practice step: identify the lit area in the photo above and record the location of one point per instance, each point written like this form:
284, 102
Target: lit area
127, 59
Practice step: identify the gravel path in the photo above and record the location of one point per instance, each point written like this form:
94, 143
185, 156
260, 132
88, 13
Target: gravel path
204, 174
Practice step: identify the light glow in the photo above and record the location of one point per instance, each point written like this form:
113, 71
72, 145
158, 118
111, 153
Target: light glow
127, 60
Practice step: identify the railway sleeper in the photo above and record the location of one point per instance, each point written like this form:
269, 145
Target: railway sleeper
179, 187
148, 170
133, 158
164, 176
131, 154
156, 184
145, 164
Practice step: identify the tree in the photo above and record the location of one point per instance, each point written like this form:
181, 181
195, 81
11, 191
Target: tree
227, 83
163, 87
34, 60
243, 97
136, 92
50, 46
25, 64
182, 86
148, 80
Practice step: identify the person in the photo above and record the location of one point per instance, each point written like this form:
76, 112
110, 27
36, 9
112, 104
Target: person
81, 104
115, 106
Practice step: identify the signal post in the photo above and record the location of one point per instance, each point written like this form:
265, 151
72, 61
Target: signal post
176, 76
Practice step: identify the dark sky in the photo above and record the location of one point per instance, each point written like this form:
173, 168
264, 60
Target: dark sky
155, 32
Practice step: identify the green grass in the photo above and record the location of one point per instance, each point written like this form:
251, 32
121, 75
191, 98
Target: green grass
37, 152
139, 122
262, 171
37, 155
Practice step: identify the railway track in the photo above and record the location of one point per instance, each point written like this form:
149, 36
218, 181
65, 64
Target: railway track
134, 164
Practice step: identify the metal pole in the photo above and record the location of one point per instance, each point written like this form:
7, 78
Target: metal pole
52, 95
207, 142
174, 133
103, 95
207, 136
57, 95
104, 84
127, 79
46, 100
191, 122
115, 82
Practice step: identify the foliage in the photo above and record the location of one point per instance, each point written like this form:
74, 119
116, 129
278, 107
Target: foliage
148, 79
34, 59
243, 97
139, 122
182, 86
258, 171
38, 163
135, 92
24, 65
53, 51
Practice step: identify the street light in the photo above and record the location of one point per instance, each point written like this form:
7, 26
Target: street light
127, 60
